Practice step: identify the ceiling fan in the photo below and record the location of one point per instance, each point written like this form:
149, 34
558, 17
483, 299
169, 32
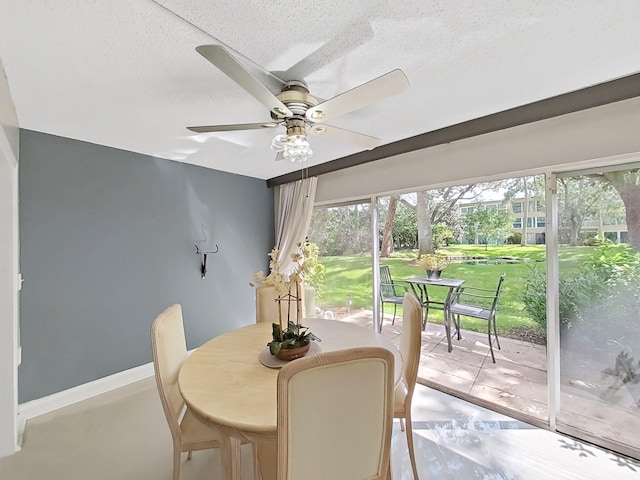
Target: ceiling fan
296, 109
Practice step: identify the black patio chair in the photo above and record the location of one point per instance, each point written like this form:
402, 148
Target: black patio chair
389, 292
477, 303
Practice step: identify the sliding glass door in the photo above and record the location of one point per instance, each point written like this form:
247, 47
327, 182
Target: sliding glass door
599, 307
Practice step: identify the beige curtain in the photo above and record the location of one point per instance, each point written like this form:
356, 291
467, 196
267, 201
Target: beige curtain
295, 206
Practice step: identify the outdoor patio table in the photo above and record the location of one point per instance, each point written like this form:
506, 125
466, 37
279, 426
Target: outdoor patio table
419, 286
224, 382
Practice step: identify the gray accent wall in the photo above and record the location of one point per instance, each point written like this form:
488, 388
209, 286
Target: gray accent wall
107, 242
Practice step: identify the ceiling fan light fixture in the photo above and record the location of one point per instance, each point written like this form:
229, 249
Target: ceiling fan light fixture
297, 155
297, 149
278, 143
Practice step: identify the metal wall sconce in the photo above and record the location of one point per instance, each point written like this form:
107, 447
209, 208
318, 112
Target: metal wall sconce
203, 266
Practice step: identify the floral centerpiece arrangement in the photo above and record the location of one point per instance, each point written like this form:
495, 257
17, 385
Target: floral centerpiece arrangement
293, 335
433, 264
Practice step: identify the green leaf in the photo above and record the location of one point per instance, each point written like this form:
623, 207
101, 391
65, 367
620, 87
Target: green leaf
313, 337
276, 334
274, 347
293, 328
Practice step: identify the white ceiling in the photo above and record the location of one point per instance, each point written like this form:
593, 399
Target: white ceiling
125, 73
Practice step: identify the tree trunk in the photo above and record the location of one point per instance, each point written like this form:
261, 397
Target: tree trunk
525, 211
631, 199
425, 231
627, 184
387, 233
574, 230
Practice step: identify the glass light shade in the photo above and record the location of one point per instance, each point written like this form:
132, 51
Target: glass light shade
295, 148
278, 143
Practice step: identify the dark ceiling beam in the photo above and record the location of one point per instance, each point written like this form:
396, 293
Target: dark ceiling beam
597, 95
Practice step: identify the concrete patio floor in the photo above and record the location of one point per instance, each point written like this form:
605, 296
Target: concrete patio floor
516, 384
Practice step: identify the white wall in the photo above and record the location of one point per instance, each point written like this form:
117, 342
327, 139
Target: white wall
8, 116
556, 143
9, 144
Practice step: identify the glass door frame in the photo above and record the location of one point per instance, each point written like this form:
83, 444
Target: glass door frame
552, 263
553, 296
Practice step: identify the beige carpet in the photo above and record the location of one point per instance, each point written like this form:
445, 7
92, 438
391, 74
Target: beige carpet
120, 435
123, 435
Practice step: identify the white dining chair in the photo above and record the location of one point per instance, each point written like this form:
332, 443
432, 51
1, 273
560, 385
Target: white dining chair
188, 432
267, 307
410, 344
335, 416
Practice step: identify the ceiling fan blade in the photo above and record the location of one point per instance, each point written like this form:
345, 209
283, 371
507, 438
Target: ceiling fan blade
348, 38
345, 136
264, 76
223, 60
387, 85
229, 128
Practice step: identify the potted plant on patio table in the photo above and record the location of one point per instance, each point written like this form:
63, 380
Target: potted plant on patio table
290, 339
433, 263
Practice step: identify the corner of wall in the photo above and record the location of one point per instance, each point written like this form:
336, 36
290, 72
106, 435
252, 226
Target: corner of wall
8, 119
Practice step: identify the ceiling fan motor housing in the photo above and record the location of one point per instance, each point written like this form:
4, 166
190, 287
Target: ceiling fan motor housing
295, 96
295, 127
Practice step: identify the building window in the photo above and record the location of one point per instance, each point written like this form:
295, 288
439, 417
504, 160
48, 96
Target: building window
517, 222
517, 208
541, 221
530, 222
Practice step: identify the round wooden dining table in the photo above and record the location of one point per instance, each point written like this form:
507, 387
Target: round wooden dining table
224, 382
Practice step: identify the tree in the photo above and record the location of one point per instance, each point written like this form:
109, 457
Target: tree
343, 230
387, 233
405, 227
578, 198
490, 224
530, 187
525, 211
442, 234
627, 184
439, 206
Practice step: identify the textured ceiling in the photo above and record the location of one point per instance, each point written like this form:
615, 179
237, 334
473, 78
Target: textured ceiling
125, 73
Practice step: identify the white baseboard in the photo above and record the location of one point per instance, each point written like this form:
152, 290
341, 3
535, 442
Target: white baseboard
47, 404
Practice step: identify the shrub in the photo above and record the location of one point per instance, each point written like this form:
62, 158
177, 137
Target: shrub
515, 238
602, 292
315, 271
576, 293
593, 241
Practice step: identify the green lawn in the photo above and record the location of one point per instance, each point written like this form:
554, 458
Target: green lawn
351, 276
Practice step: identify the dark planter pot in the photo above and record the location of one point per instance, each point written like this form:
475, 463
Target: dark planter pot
293, 353
433, 274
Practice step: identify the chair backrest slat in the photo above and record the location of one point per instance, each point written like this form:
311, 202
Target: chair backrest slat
495, 300
386, 283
